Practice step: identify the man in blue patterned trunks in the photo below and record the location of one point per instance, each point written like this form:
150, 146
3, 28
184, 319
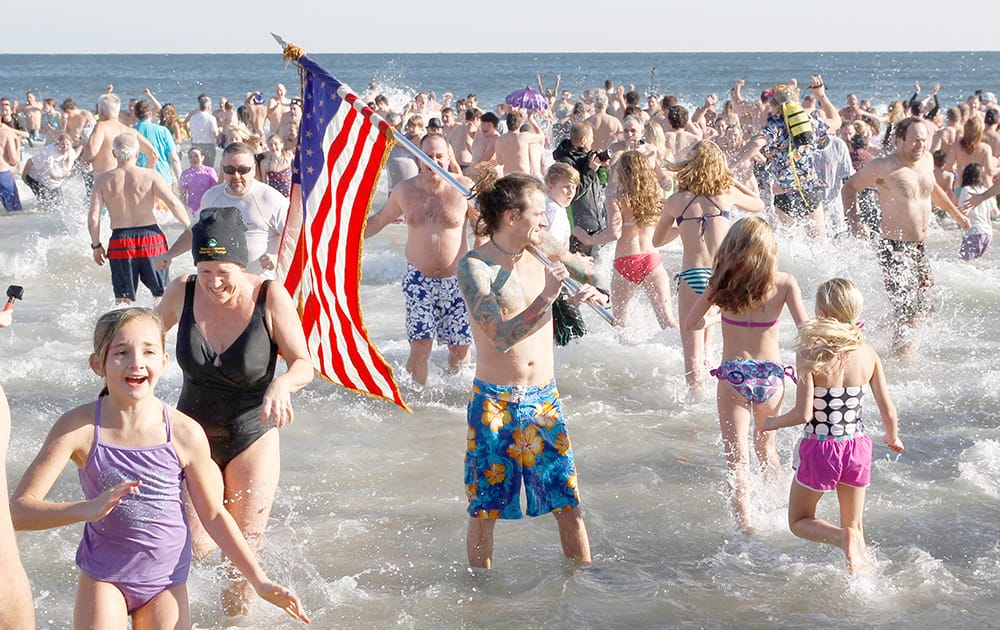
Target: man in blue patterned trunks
516, 430
436, 216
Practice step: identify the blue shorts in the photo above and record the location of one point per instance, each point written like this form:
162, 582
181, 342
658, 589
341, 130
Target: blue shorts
130, 253
434, 307
518, 433
8, 192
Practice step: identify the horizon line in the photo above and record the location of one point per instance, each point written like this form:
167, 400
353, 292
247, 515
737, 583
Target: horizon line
498, 52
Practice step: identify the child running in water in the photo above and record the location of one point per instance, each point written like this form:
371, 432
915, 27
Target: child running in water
134, 453
751, 293
836, 366
977, 238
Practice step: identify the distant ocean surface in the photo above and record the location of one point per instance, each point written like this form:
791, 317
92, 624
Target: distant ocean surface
369, 522
880, 76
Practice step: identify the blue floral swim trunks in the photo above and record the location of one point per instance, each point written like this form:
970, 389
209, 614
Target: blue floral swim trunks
434, 307
518, 434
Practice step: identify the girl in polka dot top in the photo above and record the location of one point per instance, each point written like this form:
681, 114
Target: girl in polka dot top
836, 367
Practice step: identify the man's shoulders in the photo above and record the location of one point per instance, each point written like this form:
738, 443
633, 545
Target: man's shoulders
471, 261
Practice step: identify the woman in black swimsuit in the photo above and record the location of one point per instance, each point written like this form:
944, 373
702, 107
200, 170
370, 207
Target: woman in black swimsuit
231, 327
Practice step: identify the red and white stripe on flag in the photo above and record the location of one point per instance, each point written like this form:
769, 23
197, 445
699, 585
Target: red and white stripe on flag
342, 149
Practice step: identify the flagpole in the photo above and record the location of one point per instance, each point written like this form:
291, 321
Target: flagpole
570, 283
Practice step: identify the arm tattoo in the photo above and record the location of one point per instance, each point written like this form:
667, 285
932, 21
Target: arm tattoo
481, 294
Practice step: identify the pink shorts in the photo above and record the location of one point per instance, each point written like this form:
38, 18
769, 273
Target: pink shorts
822, 464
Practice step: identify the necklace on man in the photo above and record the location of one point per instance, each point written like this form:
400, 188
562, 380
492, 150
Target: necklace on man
514, 257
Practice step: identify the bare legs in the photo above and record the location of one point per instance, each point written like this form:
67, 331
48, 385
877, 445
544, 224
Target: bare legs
850, 536
656, 286
420, 357
251, 480
693, 342
735, 415
102, 605
572, 536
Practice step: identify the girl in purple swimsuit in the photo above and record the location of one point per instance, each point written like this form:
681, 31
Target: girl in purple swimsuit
750, 293
133, 454
836, 367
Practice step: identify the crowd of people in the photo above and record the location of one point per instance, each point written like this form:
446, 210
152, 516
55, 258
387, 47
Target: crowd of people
570, 176
560, 180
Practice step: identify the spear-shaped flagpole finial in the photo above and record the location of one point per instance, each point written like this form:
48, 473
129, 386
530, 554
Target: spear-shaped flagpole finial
290, 52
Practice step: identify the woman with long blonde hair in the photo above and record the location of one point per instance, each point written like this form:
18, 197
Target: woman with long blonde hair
634, 204
699, 213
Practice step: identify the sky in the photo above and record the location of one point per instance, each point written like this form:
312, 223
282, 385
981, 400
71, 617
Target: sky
346, 26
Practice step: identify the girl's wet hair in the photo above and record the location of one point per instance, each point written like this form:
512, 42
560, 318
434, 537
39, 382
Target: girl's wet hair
704, 171
637, 186
826, 340
494, 196
111, 322
745, 265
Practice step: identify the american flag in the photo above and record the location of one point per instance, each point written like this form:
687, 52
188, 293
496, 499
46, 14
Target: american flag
342, 148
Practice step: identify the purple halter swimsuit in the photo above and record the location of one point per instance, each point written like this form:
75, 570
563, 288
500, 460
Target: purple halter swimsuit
143, 546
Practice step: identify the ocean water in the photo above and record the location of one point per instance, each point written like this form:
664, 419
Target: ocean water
369, 523
880, 76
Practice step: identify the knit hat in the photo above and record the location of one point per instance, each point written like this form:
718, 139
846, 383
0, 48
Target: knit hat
219, 234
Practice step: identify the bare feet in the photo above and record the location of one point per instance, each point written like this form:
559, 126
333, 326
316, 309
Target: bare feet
853, 544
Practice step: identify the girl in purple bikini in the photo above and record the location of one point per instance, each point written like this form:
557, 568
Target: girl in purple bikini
750, 293
134, 453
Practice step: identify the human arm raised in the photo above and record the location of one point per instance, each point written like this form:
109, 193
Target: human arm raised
157, 107
832, 116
